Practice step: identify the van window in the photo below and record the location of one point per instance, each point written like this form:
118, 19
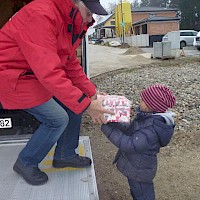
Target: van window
194, 33
187, 33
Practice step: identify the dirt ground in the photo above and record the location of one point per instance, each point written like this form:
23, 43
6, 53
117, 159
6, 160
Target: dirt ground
178, 176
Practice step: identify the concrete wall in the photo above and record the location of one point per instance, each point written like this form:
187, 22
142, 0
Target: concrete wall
135, 40
138, 40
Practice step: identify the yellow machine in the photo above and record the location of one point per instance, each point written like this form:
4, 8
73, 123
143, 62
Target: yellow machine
123, 19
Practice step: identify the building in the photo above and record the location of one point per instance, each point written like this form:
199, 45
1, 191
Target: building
105, 27
107, 21
155, 21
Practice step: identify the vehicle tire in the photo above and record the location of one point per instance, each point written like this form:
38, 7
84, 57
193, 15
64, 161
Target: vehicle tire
182, 44
198, 48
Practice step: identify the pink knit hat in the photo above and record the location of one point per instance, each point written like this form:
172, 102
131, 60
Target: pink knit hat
158, 97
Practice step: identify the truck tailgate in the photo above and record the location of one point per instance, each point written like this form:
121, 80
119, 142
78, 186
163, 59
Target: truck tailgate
63, 184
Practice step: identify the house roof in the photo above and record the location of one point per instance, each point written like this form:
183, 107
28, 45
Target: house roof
110, 26
103, 20
156, 18
153, 9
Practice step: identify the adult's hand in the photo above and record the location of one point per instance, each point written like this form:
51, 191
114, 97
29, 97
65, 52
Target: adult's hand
98, 93
96, 111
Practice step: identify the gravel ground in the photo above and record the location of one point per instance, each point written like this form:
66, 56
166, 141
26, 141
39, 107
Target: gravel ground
179, 164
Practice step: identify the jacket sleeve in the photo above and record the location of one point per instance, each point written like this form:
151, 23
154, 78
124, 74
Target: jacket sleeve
138, 142
123, 126
37, 40
76, 74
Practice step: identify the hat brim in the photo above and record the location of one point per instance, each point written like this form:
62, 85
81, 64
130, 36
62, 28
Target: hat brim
96, 7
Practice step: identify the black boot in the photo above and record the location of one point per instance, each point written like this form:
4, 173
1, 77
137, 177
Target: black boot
76, 162
31, 175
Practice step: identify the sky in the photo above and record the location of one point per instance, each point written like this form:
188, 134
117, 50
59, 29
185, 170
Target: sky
105, 3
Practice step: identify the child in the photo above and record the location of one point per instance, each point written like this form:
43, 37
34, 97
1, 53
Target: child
140, 141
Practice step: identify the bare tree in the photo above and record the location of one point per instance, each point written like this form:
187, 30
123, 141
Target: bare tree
135, 4
111, 7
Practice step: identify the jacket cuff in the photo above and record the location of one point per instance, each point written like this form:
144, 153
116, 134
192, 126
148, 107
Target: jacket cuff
106, 129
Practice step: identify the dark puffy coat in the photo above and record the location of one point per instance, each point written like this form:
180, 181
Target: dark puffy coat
139, 144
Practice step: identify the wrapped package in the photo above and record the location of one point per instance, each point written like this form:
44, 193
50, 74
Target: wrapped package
120, 105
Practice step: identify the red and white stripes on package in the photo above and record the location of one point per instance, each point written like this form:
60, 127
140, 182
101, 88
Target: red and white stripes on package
158, 97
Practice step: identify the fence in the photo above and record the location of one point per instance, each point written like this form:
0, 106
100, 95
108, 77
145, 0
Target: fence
135, 40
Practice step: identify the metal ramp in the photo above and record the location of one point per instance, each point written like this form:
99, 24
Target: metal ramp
63, 184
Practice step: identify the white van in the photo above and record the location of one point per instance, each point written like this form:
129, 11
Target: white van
186, 37
196, 42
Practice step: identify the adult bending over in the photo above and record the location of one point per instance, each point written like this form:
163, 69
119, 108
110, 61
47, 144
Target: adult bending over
39, 73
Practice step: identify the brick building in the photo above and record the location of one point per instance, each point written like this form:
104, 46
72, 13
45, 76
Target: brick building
155, 21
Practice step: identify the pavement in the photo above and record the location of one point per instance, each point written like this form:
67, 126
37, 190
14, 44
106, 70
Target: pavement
103, 59
188, 50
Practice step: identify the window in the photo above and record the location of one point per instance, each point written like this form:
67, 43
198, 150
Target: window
194, 33
188, 33
112, 22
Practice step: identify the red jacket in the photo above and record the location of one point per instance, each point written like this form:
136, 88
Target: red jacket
38, 57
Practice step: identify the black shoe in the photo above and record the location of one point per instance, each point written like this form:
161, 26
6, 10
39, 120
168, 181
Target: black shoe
31, 175
76, 162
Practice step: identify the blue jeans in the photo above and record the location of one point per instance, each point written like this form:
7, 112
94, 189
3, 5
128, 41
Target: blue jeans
58, 124
141, 191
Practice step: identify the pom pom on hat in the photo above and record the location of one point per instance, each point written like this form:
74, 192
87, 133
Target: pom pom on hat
158, 97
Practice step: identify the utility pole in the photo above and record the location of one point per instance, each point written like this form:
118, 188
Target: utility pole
122, 23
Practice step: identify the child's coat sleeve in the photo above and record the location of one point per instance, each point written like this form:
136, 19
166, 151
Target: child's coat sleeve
136, 143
